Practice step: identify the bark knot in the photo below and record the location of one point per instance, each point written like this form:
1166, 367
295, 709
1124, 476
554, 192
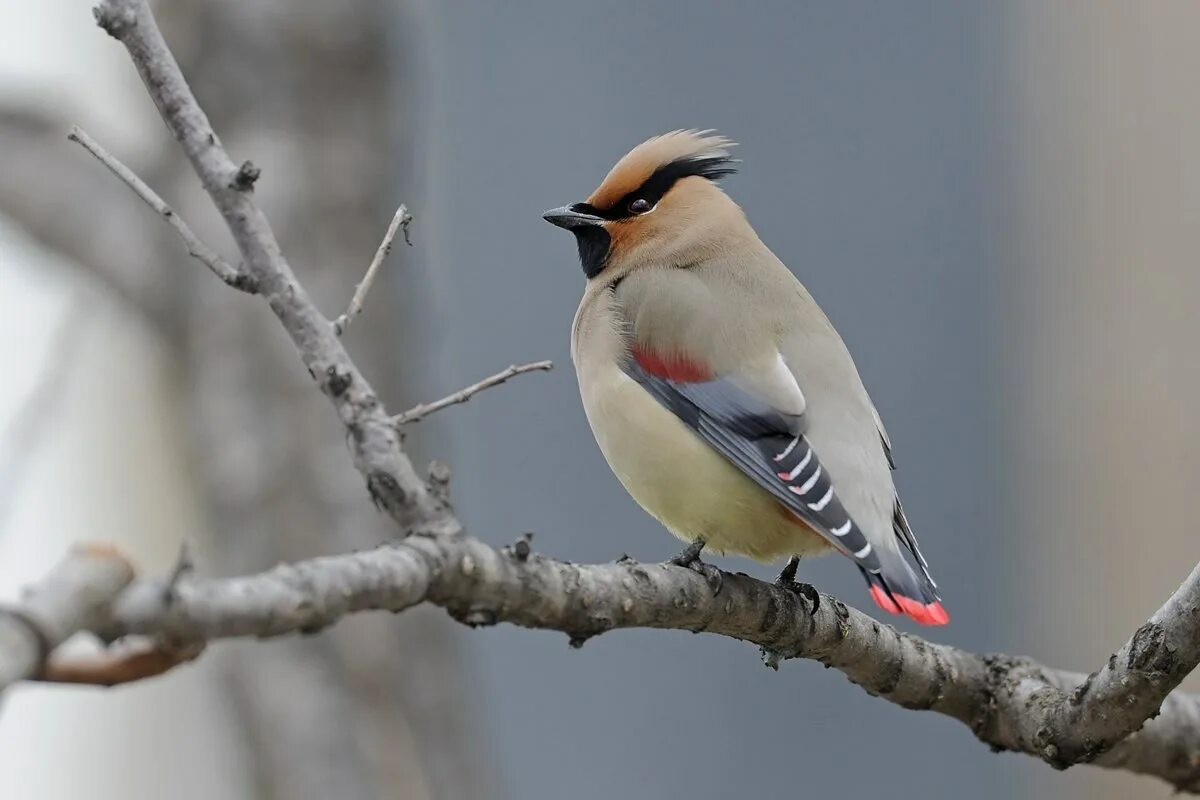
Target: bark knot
1149, 651
337, 382
112, 21
247, 175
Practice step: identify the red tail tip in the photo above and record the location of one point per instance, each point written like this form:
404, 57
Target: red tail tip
926, 614
882, 600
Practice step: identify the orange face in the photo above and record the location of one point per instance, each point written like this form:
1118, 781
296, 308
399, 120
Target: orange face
648, 195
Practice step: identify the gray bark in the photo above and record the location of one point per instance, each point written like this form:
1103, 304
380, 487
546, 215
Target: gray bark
1009, 703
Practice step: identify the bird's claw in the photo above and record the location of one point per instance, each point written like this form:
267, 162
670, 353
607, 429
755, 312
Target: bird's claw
809, 593
787, 575
689, 557
787, 582
711, 574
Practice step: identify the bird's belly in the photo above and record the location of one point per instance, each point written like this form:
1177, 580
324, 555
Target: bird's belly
685, 484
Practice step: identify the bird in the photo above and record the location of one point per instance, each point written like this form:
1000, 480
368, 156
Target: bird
718, 391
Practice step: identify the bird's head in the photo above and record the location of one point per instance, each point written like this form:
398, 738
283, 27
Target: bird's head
660, 205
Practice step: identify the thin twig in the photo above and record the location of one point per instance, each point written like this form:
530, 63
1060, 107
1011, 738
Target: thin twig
38, 185
195, 247
183, 565
463, 395
400, 220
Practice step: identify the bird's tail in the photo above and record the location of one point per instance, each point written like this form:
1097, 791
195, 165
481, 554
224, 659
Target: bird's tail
898, 590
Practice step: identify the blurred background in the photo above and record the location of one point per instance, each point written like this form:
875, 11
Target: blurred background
996, 203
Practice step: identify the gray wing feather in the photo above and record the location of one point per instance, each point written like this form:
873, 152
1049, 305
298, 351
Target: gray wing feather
769, 447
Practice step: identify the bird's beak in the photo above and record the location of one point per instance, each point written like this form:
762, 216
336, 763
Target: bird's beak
567, 217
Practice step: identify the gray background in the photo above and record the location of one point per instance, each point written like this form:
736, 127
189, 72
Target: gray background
869, 141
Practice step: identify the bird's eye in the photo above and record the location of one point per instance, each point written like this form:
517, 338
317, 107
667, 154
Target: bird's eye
639, 206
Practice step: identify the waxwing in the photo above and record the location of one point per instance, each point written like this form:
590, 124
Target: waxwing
720, 394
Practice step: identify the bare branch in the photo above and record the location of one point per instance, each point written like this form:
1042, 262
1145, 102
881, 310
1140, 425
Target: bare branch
1114, 701
195, 247
463, 395
54, 200
75, 596
391, 479
400, 220
1010, 703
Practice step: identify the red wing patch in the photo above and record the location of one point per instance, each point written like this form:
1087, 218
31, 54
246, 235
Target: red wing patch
674, 368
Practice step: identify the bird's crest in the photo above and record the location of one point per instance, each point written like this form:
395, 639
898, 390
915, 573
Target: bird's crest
664, 160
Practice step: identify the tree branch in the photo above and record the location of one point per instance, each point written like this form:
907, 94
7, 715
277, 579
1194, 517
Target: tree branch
41, 191
391, 479
401, 220
1129, 689
196, 248
463, 395
1010, 703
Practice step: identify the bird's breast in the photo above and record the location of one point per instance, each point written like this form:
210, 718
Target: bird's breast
680, 480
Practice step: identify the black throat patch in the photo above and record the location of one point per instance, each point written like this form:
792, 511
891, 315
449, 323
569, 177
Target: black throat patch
594, 243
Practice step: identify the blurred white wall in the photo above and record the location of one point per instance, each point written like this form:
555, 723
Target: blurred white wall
107, 465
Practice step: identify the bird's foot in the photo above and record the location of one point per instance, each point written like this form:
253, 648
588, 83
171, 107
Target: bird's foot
787, 575
689, 557
787, 582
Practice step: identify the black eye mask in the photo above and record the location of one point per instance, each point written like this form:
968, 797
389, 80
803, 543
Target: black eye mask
657, 185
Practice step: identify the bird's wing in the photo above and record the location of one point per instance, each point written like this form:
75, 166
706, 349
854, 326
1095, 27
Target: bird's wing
755, 419
899, 520
734, 416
